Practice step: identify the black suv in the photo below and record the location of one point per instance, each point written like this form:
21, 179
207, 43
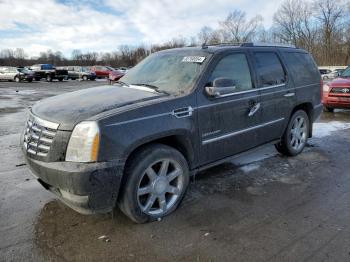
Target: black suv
135, 144
48, 72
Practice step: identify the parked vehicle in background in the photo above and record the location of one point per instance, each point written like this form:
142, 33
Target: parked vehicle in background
337, 72
48, 72
326, 74
115, 76
79, 72
102, 71
10, 73
177, 112
122, 69
336, 94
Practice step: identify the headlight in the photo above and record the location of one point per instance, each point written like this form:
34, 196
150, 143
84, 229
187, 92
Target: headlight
84, 143
326, 88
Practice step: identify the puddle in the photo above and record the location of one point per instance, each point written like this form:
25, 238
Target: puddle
9, 110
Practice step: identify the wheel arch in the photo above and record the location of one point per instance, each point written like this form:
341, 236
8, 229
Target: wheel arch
308, 108
180, 142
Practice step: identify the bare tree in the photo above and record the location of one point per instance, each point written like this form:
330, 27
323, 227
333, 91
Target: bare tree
294, 24
205, 34
330, 14
236, 27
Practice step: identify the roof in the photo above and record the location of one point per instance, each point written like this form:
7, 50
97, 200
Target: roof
224, 46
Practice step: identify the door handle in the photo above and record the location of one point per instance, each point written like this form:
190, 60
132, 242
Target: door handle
289, 94
254, 109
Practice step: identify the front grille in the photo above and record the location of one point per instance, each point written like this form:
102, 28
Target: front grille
343, 90
38, 136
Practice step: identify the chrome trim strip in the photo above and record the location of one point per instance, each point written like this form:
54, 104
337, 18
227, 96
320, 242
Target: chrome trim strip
44, 123
204, 142
252, 90
297, 87
238, 93
270, 87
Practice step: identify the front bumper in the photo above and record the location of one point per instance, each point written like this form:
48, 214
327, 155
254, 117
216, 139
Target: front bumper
26, 77
87, 188
336, 101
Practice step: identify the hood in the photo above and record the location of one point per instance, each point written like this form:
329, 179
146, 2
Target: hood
71, 108
340, 82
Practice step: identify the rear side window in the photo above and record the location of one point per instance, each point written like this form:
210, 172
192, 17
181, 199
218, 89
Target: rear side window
269, 69
235, 67
303, 68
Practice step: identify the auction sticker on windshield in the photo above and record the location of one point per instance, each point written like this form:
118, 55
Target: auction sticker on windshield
193, 59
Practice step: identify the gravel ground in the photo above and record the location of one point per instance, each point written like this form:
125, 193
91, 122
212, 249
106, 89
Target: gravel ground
259, 207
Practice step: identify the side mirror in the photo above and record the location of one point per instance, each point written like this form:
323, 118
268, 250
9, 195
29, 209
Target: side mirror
221, 86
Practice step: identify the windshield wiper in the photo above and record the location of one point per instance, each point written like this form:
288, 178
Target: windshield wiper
155, 88
122, 83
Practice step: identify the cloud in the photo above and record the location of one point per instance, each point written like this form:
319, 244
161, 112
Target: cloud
103, 25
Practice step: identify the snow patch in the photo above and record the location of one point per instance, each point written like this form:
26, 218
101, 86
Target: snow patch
249, 168
325, 129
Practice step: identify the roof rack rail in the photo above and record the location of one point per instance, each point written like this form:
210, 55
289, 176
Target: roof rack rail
268, 44
250, 44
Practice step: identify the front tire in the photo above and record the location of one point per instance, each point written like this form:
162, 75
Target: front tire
85, 78
296, 134
156, 181
17, 79
48, 78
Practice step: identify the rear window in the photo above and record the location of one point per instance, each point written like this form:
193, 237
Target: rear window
303, 68
46, 67
269, 69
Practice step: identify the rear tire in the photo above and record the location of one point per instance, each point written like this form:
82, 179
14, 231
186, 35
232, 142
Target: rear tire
156, 181
30, 80
328, 109
85, 78
296, 134
60, 79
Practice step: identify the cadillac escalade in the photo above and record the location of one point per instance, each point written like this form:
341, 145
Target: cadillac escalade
135, 144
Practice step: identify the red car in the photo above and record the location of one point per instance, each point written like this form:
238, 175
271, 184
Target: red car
115, 76
102, 71
336, 94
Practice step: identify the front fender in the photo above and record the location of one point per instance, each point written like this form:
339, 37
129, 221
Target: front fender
119, 140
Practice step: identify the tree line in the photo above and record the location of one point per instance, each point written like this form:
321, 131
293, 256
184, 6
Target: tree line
321, 27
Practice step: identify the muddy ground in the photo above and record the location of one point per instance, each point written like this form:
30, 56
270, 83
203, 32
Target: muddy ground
260, 207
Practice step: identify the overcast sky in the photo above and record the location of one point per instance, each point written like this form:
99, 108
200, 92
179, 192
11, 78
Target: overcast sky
103, 25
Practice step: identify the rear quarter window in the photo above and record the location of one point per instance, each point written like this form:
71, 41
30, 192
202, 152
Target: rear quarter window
302, 67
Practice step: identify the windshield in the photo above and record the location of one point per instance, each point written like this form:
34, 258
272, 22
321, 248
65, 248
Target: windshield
23, 70
110, 68
168, 72
346, 72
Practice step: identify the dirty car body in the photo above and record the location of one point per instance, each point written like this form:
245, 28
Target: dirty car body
180, 107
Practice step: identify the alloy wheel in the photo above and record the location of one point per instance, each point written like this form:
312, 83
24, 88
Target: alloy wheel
160, 187
298, 134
